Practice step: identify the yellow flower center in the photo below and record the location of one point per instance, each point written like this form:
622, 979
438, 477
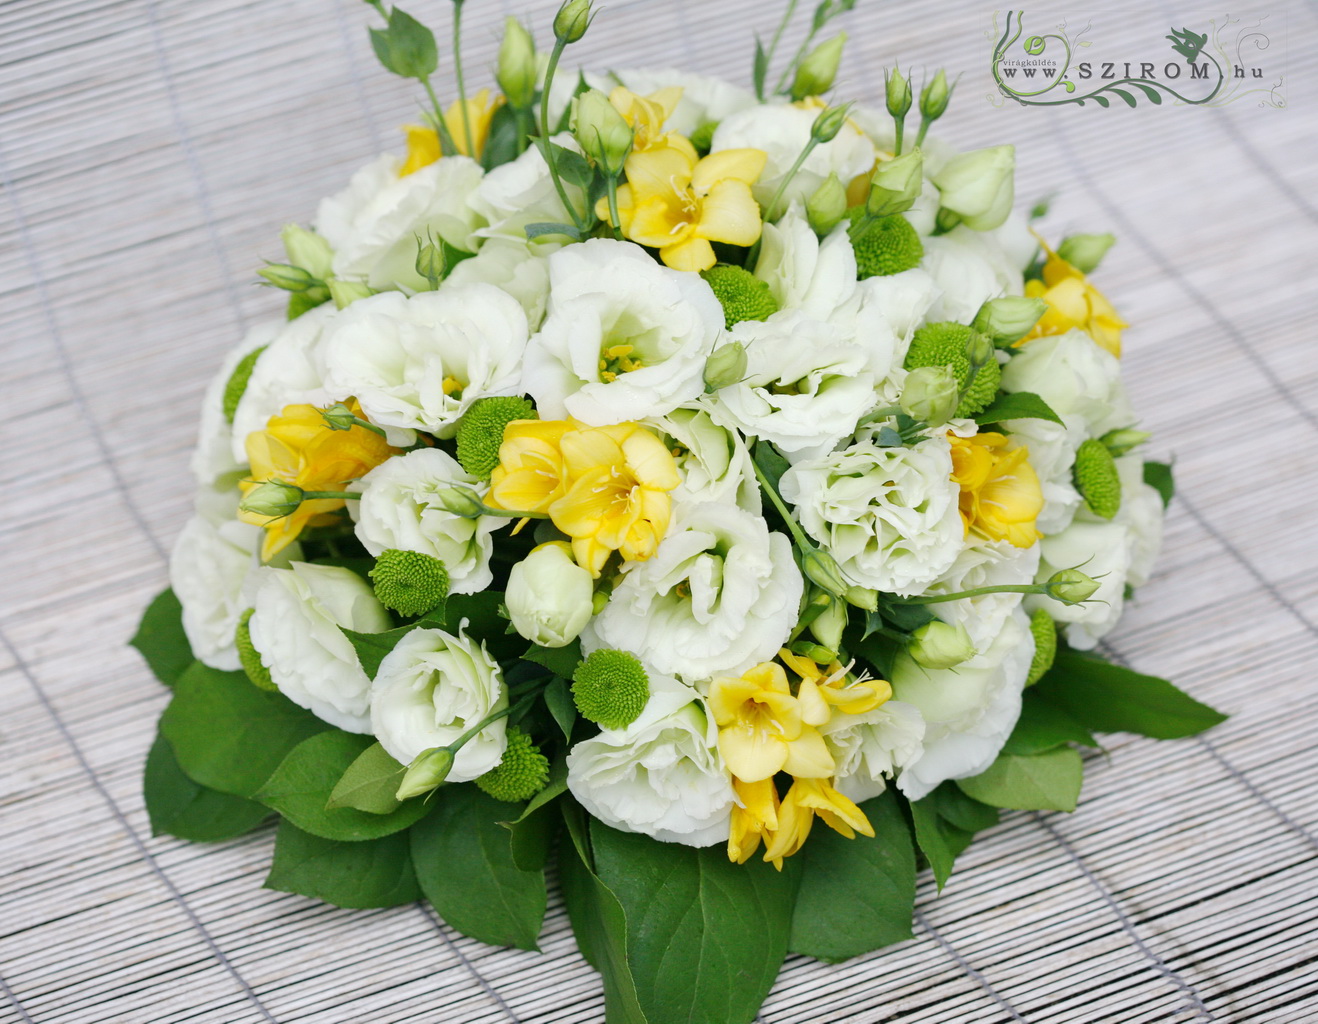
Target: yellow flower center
616, 360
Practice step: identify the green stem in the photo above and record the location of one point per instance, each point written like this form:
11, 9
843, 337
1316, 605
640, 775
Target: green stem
457, 73
441, 126
899, 126
550, 69
924, 127
489, 720
331, 495
793, 526
525, 118
809, 148
1006, 588
773, 43
800, 53
611, 183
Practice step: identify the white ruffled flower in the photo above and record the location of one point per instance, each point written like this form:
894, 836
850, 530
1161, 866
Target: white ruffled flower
714, 464
1075, 376
420, 362
1142, 514
705, 99
398, 509
295, 627
611, 303
514, 265
430, 689
217, 460
881, 317
888, 515
871, 747
521, 192
1101, 551
662, 775
969, 711
373, 224
802, 272
970, 267
984, 563
720, 595
549, 597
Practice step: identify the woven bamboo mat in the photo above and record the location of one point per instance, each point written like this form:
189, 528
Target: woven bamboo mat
149, 151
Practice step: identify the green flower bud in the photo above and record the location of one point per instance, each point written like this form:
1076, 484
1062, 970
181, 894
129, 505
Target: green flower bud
1071, 586
572, 20
1096, 478
339, 417
862, 598
1085, 252
516, 73
940, 645
826, 208
815, 74
521, 774
1123, 439
426, 772
827, 626
829, 123
898, 94
896, 184
725, 366
977, 188
480, 431
345, 293
1044, 631
930, 394
1009, 318
819, 655
308, 250
610, 688
934, 97
886, 246
272, 498
946, 344
249, 657
742, 295
604, 134
409, 582
430, 261
822, 569
287, 277
460, 501
236, 385
979, 350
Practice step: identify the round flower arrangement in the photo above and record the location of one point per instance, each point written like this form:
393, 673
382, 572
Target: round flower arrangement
722, 491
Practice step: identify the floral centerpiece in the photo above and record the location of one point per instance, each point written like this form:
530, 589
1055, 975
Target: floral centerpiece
721, 492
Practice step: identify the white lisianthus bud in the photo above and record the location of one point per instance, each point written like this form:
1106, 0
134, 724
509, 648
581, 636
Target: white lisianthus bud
460, 501
725, 367
978, 187
1008, 318
272, 498
289, 278
934, 97
827, 626
1071, 586
601, 131
898, 94
896, 185
572, 20
821, 568
930, 394
428, 771
829, 123
1085, 252
517, 71
939, 645
815, 74
827, 206
430, 261
1123, 440
549, 597
308, 250
863, 598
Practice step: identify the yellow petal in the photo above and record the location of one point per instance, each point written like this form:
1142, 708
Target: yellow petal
650, 461
750, 754
727, 695
744, 165
661, 169
729, 214
692, 255
658, 221
814, 709
422, 148
808, 756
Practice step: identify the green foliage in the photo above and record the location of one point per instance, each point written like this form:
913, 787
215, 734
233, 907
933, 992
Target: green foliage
1044, 631
888, 245
374, 873
481, 610
480, 431
1095, 476
1158, 475
558, 699
1018, 405
237, 382
944, 344
249, 657
742, 295
611, 688
409, 582
520, 774
1030, 782
562, 661
177, 806
370, 783
160, 638
1043, 726
405, 46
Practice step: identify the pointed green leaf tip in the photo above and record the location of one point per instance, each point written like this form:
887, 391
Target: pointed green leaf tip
236, 385
480, 432
888, 246
610, 688
521, 774
1044, 631
742, 295
409, 582
249, 657
944, 344
1096, 478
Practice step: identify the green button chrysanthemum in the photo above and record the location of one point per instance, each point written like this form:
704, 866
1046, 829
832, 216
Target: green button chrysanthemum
944, 344
610, 688
742, 295
887, 246
521, 774
480, 431
1096, 478
409, 582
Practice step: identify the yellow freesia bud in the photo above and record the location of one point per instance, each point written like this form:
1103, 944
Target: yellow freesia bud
807, 798
1073, 302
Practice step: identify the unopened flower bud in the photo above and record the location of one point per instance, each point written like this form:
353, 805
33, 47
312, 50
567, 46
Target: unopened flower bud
1123, 439
829, 123
898, 94
934, 97
460, 501
572, 20
979, 349
940, 645
272, 498
725, 366
1008, 318
287, 277
826, 208
603, 133
978, 187
821, 568
827, 626
345, 293
816, 653
427, 771
930, 394
549, 597
1085, 252
815, 74
339, 417
517, 69
862, 598
308, 250
430, 262
896, 185
1071, 586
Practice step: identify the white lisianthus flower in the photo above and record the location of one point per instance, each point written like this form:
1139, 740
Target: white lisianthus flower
398, 509
516, 266
888, 515
984, 563
713, 462
373, 224
295, 628
420, 362
720, 595
652, 328
549, 597
871, 747
1100, 550
217, 460
881, 317
1142, 514
802, 272
521, 192
430, 689
662, 775
970, 267
1075, 376
969, 711
782, 131
208, 566
1052, 448
705, 99
805, 385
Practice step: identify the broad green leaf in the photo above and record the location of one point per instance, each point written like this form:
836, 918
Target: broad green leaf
1035, 782
1158, 475
856, 895
406, 47
501, 142
532, 835
966, 814
464, 862
304, 302
1043, 726
554, 788
480, 612
370, 783
906, 617
160, 638
373, 648
562, 661
300, 789
177, 806
771, 463
704, 937
375, 873
939, 840
558, 698
1018, 405
1110, 698
229, 735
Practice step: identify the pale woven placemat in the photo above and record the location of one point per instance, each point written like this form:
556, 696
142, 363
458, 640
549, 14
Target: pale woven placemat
149, 151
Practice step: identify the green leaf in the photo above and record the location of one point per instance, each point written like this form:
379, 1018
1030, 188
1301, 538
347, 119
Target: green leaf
375, 873
370, 783
759, 68
771, 463
857, 894
373, 648
160, 638
532, 836
1043, 726
555, 787
1158, 475
939, 840
906, 617
406, 47
501, 142
304, 302
558, 698
966, 814
1035, 782
465, 865
551, 228
300, 790
177, 806
229, 735
704, 937
1110, 698
1018, 405
481, 612
562, 661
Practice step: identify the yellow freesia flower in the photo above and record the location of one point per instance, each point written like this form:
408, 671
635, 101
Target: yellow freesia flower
754, 817
807, 798
1073, 302
678, 207
647, 114
423, 146
298, 447
820, 693
531, 474
1000, 492
762, 730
